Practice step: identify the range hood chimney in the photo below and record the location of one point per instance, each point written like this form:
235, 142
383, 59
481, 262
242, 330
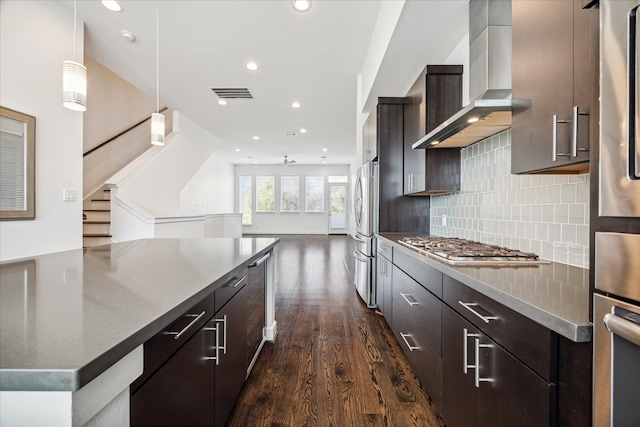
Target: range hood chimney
489, 112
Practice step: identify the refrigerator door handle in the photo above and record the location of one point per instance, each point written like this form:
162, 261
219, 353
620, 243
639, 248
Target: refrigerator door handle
359, 257
632, 81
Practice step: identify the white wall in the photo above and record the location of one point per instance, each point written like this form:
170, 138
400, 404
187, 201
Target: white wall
185, 178
35, 38
290, 223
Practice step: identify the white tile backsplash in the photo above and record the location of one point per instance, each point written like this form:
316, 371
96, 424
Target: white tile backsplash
545, 214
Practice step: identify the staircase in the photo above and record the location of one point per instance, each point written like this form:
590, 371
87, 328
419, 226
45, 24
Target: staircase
96, 218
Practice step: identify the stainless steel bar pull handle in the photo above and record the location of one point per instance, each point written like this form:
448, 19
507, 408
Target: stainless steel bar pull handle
411, 301
261, 260
404, 337
235, 285
177, 335
478, 379
465, 349
574, 133
468, 305
630, 331
217, 344
223, 347
554, 139
632, 95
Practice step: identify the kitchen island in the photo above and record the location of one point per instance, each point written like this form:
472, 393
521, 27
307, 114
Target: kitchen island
73, 324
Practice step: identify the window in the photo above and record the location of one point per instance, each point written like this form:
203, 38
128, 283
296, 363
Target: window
314, 194
265, 194
289, 194
245, 199
341, 178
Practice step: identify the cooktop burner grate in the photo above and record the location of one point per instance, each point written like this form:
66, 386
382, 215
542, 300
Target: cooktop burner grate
460, 251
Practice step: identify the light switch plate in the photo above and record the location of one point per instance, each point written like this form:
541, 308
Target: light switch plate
70, 195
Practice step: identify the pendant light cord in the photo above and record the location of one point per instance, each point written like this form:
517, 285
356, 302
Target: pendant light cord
157, 57
75, 20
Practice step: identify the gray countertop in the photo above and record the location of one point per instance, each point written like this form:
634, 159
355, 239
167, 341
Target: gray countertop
67, 317
554, 295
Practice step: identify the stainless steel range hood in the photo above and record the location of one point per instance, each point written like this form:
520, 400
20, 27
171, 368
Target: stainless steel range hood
489, 80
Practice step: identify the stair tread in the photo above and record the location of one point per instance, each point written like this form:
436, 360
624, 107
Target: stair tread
100, 200
96, 235
96, 222
96, 210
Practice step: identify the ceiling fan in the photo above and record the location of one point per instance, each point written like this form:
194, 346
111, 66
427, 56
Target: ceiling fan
287, 161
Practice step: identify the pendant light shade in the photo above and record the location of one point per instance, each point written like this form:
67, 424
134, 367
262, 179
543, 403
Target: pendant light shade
74, 77
157, 129
74, 86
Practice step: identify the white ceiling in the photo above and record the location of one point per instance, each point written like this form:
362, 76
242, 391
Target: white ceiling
313, 58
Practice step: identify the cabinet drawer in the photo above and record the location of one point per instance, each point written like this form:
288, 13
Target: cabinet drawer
423, 358
231, 284
165, 343
385, 249
422, 306
428, 277
530, 342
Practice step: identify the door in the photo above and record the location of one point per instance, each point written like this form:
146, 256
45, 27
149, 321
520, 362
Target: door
182, 391
337, 208
232, 350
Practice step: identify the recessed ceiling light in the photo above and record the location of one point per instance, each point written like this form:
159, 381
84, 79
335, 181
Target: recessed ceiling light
303, 131
255, 162
112, 5
256, 137
222, 102
128, 36
324, 149
252, 66
296, 105
302, 5
435, 143
324, 163
237, 150
472, 120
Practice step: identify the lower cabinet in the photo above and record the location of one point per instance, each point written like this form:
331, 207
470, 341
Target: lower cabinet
417, 327
182, 391
484, 385
195, 368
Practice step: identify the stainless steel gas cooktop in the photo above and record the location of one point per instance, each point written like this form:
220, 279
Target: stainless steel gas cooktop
467, 252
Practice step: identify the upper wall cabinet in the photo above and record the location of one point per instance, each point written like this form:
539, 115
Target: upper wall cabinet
555, 78
434, 97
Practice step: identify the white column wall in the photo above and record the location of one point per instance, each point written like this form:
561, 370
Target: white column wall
35, 38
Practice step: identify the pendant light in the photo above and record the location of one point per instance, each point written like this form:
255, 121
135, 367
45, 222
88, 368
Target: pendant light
74, 77
157, 119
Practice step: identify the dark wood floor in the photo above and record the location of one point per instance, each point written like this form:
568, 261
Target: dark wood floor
334, 362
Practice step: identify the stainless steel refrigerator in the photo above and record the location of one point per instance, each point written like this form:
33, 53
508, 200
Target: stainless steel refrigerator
365, 210
616, 314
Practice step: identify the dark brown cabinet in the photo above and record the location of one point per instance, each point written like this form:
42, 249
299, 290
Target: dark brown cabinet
397, 213
434, 97
485, 385
555, 85
417, 327
195, 368
182, 391
231, 370
256, 298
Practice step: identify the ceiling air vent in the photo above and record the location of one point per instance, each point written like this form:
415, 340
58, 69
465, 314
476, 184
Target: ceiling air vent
232, 92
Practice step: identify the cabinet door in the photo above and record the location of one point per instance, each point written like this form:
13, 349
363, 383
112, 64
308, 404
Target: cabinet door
255, 309
496, 389
182, 391
232, 367
548, 72
460, 399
